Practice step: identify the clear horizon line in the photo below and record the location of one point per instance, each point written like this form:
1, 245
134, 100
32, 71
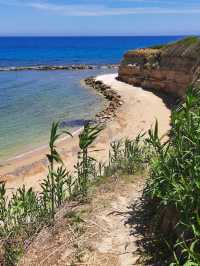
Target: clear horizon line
107, 35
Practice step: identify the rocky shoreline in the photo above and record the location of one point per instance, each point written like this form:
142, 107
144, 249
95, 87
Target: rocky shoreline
62, 67
135, 112
114, 99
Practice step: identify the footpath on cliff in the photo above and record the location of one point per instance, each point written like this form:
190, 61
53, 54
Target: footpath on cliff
102, 231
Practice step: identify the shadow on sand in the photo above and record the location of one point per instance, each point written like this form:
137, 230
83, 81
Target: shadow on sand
151, 244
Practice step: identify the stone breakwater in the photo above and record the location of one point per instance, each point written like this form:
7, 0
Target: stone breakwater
114, 100
64, 67
171, 68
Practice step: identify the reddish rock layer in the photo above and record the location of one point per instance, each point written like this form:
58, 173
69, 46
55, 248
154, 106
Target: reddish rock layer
170, 69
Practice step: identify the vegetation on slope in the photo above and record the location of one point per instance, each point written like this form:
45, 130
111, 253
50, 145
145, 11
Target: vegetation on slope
173, 186
27, 212
185, 42
174, 182
154, 57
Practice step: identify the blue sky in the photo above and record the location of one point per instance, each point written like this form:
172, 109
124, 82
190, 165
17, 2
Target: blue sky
99, 17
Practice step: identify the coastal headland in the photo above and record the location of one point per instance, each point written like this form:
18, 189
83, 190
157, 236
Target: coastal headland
170, 68
131, 110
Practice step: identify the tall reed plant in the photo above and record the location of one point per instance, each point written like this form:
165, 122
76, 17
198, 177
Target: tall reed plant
53, 186
27, 211
86, 163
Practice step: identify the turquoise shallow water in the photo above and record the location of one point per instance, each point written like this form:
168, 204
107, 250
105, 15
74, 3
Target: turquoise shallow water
31, 100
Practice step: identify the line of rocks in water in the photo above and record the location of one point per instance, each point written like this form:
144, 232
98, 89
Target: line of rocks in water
114, 99
64, 67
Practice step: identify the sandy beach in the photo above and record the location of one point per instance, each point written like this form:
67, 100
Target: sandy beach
138, 113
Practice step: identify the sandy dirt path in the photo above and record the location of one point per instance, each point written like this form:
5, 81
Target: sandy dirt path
106, 235
138, 113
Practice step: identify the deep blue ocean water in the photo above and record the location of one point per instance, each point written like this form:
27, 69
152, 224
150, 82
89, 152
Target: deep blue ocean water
21, 51
31, 100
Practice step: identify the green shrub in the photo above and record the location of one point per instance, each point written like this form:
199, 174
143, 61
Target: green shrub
26, 212
86, 166
54, 188
126, 157
20, 219
175, 177
187, 41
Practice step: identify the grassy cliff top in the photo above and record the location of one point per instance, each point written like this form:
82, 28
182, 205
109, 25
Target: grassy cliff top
191, 40
188, 47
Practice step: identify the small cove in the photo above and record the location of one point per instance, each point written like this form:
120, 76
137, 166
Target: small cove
31, 100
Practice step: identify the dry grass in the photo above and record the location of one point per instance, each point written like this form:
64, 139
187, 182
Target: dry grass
91, 234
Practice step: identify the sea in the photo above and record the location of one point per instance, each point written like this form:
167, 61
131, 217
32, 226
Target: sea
31, 100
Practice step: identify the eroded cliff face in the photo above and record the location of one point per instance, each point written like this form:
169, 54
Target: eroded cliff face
170, 69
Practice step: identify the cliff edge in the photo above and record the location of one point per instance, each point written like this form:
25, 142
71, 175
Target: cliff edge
170, 68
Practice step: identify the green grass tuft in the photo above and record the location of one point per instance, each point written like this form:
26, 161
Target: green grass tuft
185, 41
